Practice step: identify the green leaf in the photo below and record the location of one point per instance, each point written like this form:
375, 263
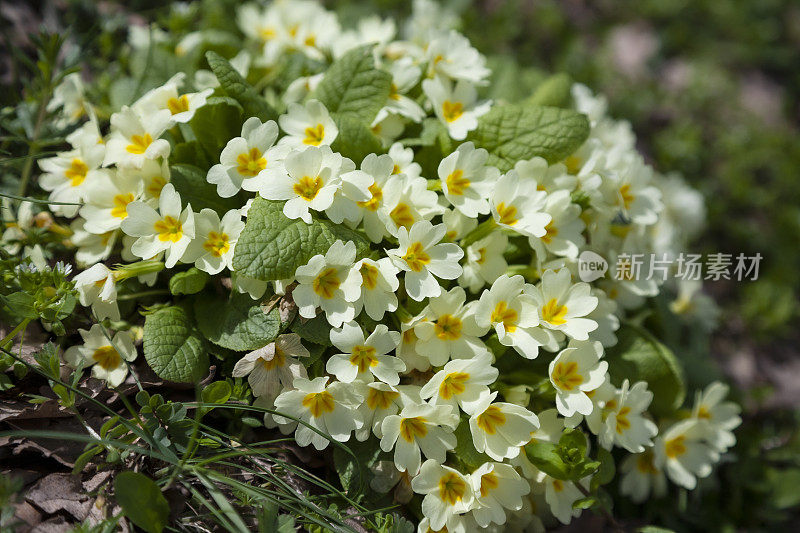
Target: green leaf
237, 323
21, 304
271, 246
141, 501
355, 139
191, 184
354, 471
316, 330
511, 133
190, 153
638, 356
465, 452
172, 347
190, 281
353, 87
216, 392
545, 456
606, 471
216, 123
236, 87
554, 91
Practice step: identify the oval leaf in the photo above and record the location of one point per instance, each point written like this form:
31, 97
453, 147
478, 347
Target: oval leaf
172, 347
141, 501
237, 323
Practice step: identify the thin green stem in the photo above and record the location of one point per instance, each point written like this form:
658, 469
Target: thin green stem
14, 332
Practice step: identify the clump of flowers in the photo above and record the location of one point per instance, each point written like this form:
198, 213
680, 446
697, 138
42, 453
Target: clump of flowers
417, 241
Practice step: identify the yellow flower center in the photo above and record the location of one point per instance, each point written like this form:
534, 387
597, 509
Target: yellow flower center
645, 463
393, 92
704, 413
314, 135
178, 105
251, 163
573, 164
139, 144
363, 357
169, 229
107, 357
217, 244
566, 375
627, 197
266, 33
489, 482
448, 327
369, 276
380, 399
551, 230
452, 488
558, 485
453, 384
456, 182
507, 214
502, 313
319, 403
373, 203
326, 283
554, 313
395, 170
307, 187
402, 215
120, 202
623, 423
451, 111
413, 428
415, 257
675, 447
481, 256
156, 184
277, 361
76, 172
491, 419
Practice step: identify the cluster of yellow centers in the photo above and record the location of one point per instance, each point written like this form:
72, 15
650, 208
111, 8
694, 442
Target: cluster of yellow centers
566, 375
139, 144
76, 172
107, 357
217, 243
169, 228
326, 283
415, 257
452, 111
307, 187
554, 313
251, 163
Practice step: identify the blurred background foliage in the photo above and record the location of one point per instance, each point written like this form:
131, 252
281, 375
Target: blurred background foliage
712, 90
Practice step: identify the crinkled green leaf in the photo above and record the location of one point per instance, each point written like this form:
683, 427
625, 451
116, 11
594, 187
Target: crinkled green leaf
638, 356
355, 139
545, 457
316, 330
465, 452
554, 91
190, 281
216, 123
236, 323
172, 347
271, 247
354, 87
141, 501
511, 133
190, 153
236, 87
191, 184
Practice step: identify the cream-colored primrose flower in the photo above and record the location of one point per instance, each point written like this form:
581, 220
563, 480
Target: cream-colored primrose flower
448, 329
250, 161
517, 205
310, 181
307, 125
380, 401
514, 316
563, 305
274, 367
404, 161
379, 284
135, 138
107, 356
451, 55
211, 250
467, 182
574, 371
684, 454
630, 191
447, 492
422, 256
330, 408
385, 477
181, 106
70, 97
500, 429
424, 427
407, 350
69, 175
461, 383
560, 495
458, 225
625, 424
107, 199
719, 418
497, 487
485, 261
456, 106
91, 248
406, 201
153, 175
564, 235
405, 76
329, 282
97, 289
360, 191
167, 230
641, 477
365, 359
